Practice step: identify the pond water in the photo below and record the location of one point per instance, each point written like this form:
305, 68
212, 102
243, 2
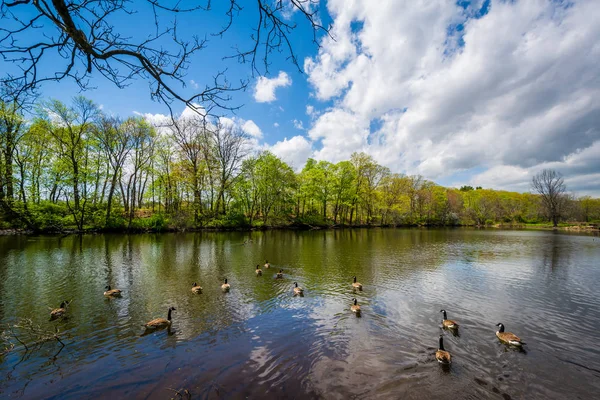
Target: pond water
259, 341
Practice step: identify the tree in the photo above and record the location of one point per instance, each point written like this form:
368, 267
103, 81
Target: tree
79, 38
550, 185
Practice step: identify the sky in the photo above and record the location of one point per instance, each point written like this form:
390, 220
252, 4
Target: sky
482, 93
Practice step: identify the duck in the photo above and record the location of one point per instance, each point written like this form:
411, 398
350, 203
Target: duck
508, 337
298, 291
279, 274
112, 292
355, 308
448, 323
267, 265
356, 285
160, 323
225, 286
196, 288
60, 311
441, 355
258, 270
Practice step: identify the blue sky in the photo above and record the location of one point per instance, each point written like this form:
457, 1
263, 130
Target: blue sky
485, 93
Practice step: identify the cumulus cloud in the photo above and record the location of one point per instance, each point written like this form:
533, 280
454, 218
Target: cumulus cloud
294, 151
439, 88
252, 129
194, 84
264, 91
298, 124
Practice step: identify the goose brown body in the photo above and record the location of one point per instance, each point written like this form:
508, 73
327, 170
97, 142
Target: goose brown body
59, 312
160, 323
357, 285
279, 274
112, 292
196, 288
355, 308
448, 323
225, 286
298, 291
441, 355
267, 265
258, 271
508, 337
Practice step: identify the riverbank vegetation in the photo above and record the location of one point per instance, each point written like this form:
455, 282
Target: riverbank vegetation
72, 167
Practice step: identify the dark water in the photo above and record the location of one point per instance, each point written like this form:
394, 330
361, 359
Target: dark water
258, 341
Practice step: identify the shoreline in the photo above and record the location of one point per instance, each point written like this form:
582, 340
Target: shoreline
574, 228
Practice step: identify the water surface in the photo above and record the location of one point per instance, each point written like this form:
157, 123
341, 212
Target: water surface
258, 341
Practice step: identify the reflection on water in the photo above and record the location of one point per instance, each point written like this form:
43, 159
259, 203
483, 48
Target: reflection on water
259, 340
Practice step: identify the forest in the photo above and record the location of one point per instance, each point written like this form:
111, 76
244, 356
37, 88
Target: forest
71, 167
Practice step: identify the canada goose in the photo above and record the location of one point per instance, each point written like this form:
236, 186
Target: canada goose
60, 311
441, 355
196, 288
112, 292
225, 286
160, 323
507, 337
357, 285
279, 274
258, 270
267, 265
298, 290
448, 323
355, 308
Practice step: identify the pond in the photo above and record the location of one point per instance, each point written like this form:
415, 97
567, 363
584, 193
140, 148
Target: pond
259, 341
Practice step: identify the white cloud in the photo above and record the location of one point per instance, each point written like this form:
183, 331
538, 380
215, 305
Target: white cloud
294, 151
264, 91
298, 124
276, 125
512, 91
252, 129
310, 110
194, 84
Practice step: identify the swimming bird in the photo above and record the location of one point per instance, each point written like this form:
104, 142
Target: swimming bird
355, 308
112, 292
60, 311
357, 285
508, 337
441, 355
448, 323
160, 323
298, 290
279, 274
267, 265
225, 286
196, 288
258, 270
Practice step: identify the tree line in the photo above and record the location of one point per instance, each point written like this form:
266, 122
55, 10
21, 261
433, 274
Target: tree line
74, 167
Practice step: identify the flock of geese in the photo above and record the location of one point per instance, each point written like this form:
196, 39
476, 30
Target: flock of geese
441, 355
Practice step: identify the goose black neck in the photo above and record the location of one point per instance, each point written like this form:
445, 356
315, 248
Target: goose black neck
225, 280
442, 343
444, 314
354, 279
296, 284
169, 316
355, 301
108, 287
501, 328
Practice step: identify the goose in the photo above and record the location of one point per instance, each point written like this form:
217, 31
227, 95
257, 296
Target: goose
258, 270
279, 274
357, 285
60, 311
196, 288
298, 290
160, 323
508, 337
112, 292
225, 286
267, 265
448, 323
355, 308
441, 355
